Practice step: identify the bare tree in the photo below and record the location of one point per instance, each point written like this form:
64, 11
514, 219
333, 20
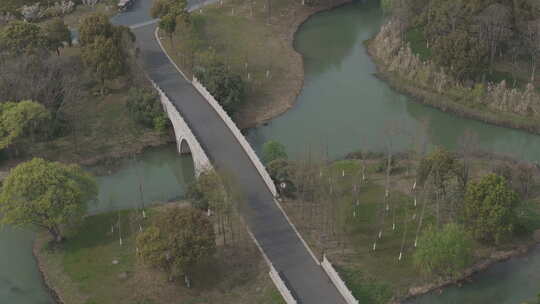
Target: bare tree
468, 145
494, 27
532, 43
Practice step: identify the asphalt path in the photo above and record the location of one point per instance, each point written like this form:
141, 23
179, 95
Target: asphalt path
273, 232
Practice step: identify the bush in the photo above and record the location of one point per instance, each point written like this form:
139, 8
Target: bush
281, 171
226, 87
445, 252
145, 108
490, 208
177, 241
273, 150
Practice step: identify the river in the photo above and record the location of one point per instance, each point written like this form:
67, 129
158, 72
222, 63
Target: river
343, 107
163, 174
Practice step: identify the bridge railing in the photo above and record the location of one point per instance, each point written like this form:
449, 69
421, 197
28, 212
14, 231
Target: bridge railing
338, 282
200, 159
239, 136
281, 286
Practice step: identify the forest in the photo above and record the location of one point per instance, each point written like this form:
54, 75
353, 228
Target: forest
474, 40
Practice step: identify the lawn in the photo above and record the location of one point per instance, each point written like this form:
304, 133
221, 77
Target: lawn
91, 266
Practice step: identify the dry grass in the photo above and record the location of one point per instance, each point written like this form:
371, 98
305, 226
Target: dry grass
81, 271
254, 47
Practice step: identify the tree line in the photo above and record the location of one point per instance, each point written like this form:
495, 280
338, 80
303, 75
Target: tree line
469, 38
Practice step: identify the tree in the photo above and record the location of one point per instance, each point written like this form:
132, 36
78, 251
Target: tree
440, 164
20, 119
463, 54
48, 195
495, 24
160, 8
19, 38
58, 33
104, 58
227, 87
489, 208
282, 171
177, 241
445, 252
145, 108
532, 43
273, 150
468, 145
206, 190
93, 26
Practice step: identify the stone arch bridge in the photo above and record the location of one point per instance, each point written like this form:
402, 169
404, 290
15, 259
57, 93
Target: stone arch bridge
203, 129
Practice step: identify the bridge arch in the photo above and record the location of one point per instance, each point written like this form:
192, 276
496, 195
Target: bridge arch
183, 147
186, 141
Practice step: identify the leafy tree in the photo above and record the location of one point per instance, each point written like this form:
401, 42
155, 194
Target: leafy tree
19, 38
489, 208
104, 58
440, 164
95, 25
57, 32
281, 171
171, 14
177, 241
273, 150
46, 194
145, 108
444, 252
226, 86
20, 119
160, 8
206, 190
461, 53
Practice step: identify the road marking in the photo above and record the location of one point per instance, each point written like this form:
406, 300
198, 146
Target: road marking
138, 25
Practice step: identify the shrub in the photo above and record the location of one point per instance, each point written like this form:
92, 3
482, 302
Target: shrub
145, 108
490, 208
273, 150
226, 87
444, 252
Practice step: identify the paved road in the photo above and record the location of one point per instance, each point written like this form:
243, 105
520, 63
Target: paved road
271, 229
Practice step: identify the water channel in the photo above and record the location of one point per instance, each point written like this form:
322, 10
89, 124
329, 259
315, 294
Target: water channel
343, 107
163, 175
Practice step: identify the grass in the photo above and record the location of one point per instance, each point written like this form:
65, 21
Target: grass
379, 276
418, 43
83, 272
373, 276
261, 53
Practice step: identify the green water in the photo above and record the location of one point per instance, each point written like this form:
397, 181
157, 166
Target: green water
343, 107
163, 174
511, 282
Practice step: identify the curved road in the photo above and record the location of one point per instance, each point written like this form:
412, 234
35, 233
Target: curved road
275, 235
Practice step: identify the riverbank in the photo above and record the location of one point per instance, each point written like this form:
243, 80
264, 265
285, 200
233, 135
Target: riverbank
94, 266
346, 229
496, 104
261, 52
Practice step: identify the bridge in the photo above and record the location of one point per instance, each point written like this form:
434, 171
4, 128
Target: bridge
202, 130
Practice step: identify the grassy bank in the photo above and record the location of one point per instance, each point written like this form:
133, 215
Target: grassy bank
344, 223
257, 47
92, 267
456, 105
